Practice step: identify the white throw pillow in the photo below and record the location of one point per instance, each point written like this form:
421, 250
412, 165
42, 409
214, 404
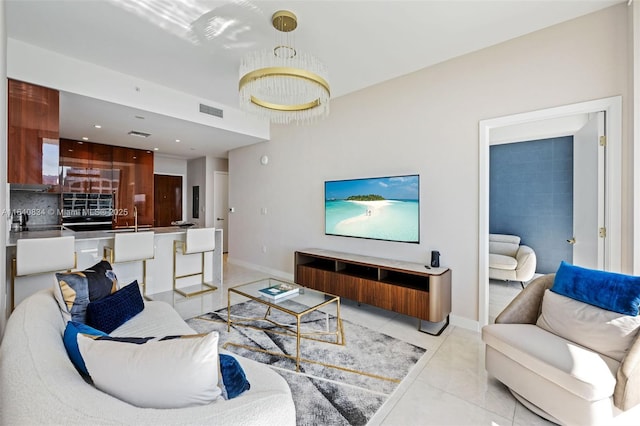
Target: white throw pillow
603, 331
174, 373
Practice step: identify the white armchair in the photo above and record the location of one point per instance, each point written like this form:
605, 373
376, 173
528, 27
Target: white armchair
509, 260
570, 362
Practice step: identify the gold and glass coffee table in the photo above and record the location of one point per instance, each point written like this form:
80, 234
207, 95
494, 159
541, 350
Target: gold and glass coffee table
307, 301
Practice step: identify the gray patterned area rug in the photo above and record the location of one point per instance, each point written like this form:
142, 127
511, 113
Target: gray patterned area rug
372, 364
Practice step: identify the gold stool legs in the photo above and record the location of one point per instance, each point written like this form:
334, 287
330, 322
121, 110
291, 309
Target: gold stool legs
208, 287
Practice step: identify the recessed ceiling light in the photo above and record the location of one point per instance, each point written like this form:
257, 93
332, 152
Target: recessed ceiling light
156, 149
177, 140
97, 126
84, 138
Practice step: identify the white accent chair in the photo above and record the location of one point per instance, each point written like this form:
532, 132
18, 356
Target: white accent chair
42, 255
196, 241
509, 260
132, 247
567, 361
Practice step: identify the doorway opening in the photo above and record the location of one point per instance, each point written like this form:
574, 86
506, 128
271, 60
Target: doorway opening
493, 129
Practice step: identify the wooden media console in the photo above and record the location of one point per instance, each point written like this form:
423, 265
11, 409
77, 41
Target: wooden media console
404, 287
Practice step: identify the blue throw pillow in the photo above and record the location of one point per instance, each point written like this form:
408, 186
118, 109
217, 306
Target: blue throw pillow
76, 289
233, 377
111, 312
70, 340
607, 290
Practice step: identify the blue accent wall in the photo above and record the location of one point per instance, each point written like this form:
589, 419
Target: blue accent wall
531, 195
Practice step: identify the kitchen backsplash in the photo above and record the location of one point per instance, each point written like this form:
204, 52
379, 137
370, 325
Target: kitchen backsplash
42, 208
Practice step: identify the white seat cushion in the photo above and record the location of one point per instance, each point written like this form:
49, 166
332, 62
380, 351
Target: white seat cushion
585, 373
499, 261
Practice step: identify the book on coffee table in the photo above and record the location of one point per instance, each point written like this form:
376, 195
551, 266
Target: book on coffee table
279, 291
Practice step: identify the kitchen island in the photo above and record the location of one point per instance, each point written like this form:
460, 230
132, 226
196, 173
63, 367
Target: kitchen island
89, 246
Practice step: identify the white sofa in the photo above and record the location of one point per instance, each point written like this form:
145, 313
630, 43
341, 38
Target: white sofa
40, 385
555, 370
509, 260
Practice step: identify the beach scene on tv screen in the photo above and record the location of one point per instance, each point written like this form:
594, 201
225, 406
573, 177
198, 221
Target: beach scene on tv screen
383, 208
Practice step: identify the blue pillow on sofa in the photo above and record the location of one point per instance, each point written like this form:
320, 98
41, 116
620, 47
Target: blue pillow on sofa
70, 340
75, 290
233, 377
607, 290
112, 311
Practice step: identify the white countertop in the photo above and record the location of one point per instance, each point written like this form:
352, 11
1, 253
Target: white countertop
84, 235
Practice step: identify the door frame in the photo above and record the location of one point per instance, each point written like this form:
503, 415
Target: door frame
613, 191
216, 202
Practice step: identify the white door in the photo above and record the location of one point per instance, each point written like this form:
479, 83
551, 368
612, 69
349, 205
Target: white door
221, 206
588, 193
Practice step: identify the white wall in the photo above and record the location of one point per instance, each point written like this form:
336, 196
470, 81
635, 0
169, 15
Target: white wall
25, 63
175, 167
426, 123
201, 172
3, 149
163, 165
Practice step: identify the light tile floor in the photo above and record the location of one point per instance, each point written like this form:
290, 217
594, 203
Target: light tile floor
448, 386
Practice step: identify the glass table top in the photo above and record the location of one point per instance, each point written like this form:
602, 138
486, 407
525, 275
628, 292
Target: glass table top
307, 298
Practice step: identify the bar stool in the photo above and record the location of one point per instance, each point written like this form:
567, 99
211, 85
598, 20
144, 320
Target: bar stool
132, 247
36, 256
200, 240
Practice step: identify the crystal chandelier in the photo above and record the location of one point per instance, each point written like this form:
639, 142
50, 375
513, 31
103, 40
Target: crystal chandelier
282, 84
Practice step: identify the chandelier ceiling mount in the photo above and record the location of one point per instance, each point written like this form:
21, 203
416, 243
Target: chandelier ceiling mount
282, 84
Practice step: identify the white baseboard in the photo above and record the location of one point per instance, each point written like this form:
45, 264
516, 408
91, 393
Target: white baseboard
272, 272
463, 322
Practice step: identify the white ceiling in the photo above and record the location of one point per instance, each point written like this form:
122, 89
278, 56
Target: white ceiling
166, 42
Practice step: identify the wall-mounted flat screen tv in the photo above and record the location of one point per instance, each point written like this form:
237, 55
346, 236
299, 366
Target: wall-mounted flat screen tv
379, 208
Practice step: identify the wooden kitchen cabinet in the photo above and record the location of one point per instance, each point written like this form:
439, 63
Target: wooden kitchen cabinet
33, 134
127, 173
86, 167
100, 170
133, 171
74, 164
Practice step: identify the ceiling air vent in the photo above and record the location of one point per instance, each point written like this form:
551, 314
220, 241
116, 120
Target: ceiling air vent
206, 109
139, 134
